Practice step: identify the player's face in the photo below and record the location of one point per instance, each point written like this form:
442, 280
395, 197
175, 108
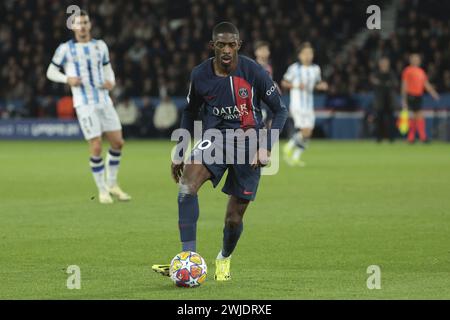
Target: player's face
263, 52
415, 60
384, 65
81, 26
306, 56
226, 47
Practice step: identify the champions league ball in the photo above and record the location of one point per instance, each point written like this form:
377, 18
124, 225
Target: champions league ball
188, 269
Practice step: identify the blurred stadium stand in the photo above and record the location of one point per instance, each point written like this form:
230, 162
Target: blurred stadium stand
154, 44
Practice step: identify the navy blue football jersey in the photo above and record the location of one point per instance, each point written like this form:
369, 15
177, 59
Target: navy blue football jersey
234, 101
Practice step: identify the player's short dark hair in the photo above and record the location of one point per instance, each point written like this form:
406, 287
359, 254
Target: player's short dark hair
82, 13
303, 46
258, 44
225, 27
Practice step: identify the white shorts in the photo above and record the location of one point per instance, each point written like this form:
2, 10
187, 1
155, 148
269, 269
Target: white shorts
303, 119
96, 119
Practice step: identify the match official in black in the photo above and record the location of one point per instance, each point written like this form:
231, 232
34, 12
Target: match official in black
385, 83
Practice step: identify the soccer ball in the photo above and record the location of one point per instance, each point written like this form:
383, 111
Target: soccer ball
188, 269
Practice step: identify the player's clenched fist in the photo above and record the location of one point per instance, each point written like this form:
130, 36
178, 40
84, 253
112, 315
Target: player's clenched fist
261, 158
74, 81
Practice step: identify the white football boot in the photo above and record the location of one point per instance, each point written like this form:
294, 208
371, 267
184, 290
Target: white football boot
117, 192
105, 198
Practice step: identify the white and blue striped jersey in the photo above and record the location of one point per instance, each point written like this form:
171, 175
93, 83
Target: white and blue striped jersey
309, 76
85, 60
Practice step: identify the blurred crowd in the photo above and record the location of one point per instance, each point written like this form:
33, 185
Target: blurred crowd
154, 44
422, 27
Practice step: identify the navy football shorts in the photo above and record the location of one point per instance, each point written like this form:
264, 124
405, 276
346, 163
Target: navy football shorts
242, 180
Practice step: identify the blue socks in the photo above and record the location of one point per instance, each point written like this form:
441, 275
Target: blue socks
188, 212
230, 238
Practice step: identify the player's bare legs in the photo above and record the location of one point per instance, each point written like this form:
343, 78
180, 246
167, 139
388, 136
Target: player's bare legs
115, 139
231, 233
95, 147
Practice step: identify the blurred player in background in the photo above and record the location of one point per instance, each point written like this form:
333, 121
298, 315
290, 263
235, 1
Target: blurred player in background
414, 84
262, 56
87, 70
385, 86
302, 78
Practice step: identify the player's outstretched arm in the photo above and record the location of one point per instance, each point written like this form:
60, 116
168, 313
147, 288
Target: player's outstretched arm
430, 89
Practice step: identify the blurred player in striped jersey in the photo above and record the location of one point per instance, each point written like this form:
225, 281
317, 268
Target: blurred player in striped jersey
301, 78
87, 70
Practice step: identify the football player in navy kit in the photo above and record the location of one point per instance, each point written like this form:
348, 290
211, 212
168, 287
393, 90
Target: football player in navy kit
226, 92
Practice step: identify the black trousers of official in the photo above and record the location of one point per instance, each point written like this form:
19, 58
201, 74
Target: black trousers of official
385, 118
385, 125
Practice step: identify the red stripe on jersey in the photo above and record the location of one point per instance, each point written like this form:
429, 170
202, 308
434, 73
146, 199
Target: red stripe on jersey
244, 99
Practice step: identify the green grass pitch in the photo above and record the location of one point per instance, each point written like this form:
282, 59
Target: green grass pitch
311, 233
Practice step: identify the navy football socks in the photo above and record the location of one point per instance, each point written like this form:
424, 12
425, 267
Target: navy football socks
188, 212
